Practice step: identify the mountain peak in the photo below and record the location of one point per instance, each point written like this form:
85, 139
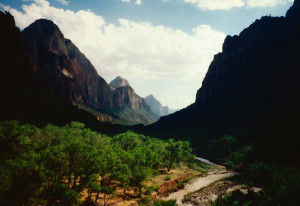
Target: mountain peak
294, 11
44, 27
156, 107
150, 96
119, 82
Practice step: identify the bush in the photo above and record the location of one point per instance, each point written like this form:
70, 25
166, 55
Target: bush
145, 200
238, 198
155, 187
165, 203
167, 177
180, 185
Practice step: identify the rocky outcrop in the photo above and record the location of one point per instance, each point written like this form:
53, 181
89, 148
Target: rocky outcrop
251, 90
294, 11
24, 97
119, 82
156, 107
134, 107
63, 68
124, 95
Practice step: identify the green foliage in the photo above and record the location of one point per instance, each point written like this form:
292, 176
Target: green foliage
237, 198
280, 183
199, 166
54, 165
155, 187
167, 177
145, 200
225, 145
187, 197
180, 185
177, 152
164, 203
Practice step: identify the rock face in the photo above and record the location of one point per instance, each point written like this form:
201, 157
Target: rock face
251, 89
124, 95
294, 11
63, 68
134, 107
119, 82
156, 107
70, 75
24, 97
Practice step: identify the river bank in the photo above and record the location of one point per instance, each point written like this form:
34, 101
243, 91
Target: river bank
216, 173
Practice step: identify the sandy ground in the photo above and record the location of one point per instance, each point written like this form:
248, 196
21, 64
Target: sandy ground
207, 195
216, 173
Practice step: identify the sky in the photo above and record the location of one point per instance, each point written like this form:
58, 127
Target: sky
162, 47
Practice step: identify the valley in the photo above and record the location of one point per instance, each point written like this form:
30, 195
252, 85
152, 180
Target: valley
68, 137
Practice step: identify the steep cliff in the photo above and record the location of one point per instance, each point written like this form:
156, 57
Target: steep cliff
251, 90
63, 68
156, 106
134, 107
124, 95
24, 97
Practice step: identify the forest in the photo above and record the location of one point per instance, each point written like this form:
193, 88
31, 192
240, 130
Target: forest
56, 165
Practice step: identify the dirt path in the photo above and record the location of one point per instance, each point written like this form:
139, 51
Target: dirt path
218, 172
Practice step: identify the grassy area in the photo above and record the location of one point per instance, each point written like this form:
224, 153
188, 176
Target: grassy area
173, 174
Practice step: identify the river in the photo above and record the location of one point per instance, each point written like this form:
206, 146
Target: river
216, 174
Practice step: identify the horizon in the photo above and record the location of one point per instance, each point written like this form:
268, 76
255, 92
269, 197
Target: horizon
162, 48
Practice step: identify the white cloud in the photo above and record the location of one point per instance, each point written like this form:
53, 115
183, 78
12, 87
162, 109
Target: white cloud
155, 59
216, 4
229, 4
264, 3
138, 2
64, 2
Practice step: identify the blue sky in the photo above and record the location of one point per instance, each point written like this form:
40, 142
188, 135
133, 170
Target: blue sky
163, 47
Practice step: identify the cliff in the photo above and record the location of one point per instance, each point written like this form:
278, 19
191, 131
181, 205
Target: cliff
66, 71
251, 90
63, 68
133, 106
24, 97
156, 107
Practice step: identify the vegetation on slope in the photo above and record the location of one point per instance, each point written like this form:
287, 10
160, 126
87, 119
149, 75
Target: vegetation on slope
280, 181
134, 116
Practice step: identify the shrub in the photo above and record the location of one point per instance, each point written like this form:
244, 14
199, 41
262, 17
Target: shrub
167, 177
165, 203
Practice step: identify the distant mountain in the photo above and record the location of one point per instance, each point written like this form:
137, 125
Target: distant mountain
156, 106
125, 95
131, 103
24, 97
251, 91
70, 75
122, 88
